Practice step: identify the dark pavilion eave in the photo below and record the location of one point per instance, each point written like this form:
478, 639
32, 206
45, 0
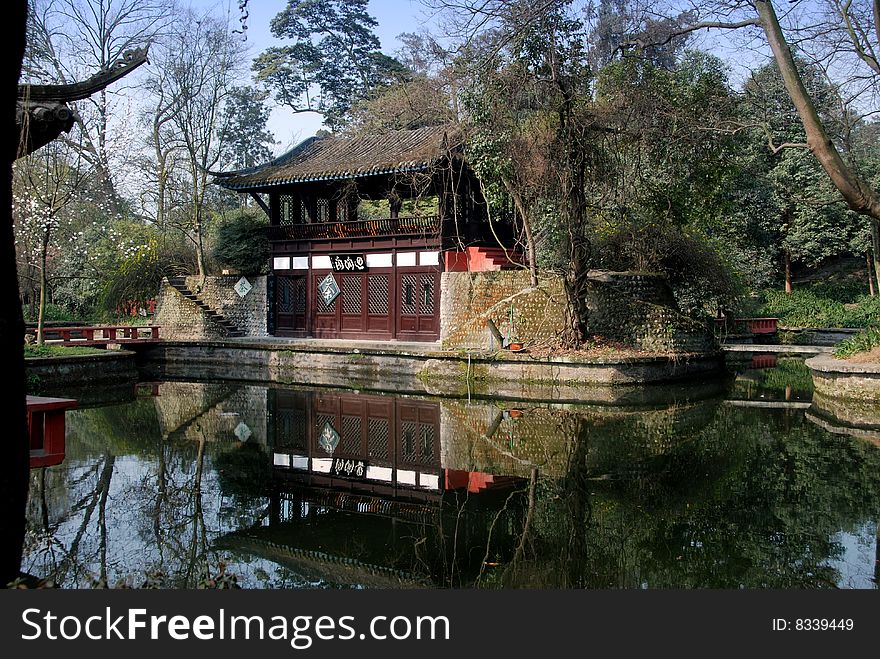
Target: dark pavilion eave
245, 186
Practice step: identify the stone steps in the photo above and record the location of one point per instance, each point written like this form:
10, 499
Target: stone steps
226, 326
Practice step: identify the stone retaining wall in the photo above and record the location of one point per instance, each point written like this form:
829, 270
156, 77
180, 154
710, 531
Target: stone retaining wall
513, 376
635, 309
530, 315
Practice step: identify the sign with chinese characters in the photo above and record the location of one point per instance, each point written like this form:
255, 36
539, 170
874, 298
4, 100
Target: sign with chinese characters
242, 287
328, 289
329, 438
349, 263
349, 467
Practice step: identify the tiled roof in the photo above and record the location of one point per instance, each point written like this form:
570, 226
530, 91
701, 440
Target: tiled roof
333, 158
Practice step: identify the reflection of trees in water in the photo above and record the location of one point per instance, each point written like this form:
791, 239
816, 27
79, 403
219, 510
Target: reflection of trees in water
137, 512
753, 500
700, 495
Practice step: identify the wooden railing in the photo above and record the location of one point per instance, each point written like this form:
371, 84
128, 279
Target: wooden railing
388, 226
100, 334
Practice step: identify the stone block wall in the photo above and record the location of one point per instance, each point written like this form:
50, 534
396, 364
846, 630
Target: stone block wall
181, 319
469, 299
639, 310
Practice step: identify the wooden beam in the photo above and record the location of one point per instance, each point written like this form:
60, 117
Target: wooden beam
262, 204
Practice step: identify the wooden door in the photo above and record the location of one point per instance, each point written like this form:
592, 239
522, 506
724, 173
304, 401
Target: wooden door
290, 305
418, 304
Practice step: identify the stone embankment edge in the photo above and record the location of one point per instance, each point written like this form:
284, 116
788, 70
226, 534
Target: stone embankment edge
114, 366
838, 378
431, 371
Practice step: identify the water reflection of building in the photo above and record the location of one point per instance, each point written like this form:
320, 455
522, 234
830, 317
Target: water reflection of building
385, 445
360, 495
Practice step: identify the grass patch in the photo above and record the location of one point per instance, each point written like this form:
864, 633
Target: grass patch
49, 350
821, 306
862, 342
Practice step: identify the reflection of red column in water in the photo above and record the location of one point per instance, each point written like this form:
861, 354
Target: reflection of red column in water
474, 481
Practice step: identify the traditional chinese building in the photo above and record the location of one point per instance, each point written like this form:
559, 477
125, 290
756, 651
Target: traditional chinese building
362, 228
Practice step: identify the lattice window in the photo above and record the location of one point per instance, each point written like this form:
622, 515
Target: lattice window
322, 307
377, 289
408, 295
350, 443
291, 429
322, 210
427, 443
287, 210
304, 211
408, 441
377, 441
299, 295
291, 295
284, 295
351, 294
426, 295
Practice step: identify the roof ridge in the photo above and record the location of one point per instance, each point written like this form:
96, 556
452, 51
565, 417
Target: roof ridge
334, 157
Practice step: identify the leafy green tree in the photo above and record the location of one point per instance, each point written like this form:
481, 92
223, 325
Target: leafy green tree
812, 222
248, 141
242, 244
334, 60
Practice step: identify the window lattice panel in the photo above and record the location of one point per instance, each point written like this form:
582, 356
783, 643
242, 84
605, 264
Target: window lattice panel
287, 209
377, 442
323, 307
427, 443
378, 294
351, 435
291, 431
284, 295
408, 441
351, 295
426, 295
299, 295
408, 295
322, 210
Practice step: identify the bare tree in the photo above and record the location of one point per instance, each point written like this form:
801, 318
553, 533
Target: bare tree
195, 66
69, 39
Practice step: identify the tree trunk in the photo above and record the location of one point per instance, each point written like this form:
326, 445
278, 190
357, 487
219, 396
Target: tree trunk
875, 251
870, 273
787, 257
41, 313
15, 474
527, 230
858, 195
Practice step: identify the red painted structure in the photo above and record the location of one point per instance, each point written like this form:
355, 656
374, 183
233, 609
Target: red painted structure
97, 335
46, 429
760, 325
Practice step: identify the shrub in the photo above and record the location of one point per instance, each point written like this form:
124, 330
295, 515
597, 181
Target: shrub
701, 279
814, 307
242, 245
862, 342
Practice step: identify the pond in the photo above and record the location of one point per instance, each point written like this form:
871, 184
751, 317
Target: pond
732, 484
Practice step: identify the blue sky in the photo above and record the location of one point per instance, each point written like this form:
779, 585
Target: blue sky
394, 17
